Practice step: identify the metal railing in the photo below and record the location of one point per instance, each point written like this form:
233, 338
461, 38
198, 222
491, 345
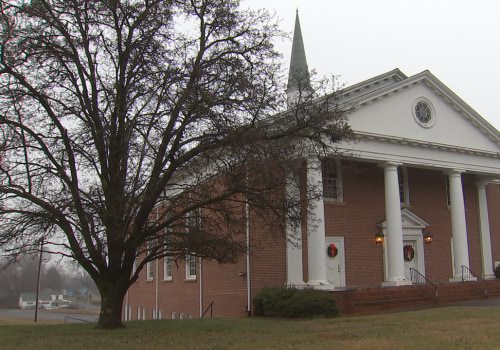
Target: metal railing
419, 279
470, 276
209, 307
66, 318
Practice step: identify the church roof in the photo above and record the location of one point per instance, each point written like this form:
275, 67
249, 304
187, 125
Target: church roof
298, 74
392, 82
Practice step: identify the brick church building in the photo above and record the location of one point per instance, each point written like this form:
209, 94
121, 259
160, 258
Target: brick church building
416, 192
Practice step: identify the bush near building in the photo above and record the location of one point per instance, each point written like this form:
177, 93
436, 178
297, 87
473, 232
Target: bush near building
294, 303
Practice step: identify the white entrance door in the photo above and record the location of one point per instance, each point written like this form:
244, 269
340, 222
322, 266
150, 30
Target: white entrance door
413, 237
335, 266
412, 256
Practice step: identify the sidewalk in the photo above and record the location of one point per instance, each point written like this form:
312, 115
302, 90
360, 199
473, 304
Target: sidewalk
493, 301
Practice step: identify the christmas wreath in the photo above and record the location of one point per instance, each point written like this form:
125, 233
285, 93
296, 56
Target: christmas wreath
332, 250
408, 252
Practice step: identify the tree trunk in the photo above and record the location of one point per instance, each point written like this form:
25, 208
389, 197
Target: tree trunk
112, 297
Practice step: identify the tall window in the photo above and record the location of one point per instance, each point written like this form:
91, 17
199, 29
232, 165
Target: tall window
332, 179
191, 224
190, 267
403, 186
149, 264
167, 268
167, 261
447, 184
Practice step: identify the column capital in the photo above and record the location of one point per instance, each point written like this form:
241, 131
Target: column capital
312, 158
454, 171
390, 164
483, 181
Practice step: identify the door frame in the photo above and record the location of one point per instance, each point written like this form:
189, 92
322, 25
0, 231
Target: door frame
339, 242
413, 227
416, 235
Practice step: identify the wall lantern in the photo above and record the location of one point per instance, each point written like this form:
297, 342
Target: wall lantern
428, 237
379, 237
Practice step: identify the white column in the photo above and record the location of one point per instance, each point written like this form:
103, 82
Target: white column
316, 246
458, 225
293, 233
394, 237
485, 235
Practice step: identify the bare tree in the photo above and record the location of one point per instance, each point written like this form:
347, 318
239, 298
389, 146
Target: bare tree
133, 127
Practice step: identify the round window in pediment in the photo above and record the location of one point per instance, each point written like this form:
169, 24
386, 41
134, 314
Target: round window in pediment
423, 112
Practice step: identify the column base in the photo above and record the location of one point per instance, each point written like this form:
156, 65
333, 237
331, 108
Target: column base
455, 279
397, 283
296, 284
489, 276
321, 285
315, 283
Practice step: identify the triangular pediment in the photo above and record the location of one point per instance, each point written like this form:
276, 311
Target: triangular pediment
411, 220
389, 111
408, 220
389, 125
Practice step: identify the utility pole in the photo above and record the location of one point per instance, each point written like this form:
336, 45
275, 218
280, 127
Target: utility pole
38, 280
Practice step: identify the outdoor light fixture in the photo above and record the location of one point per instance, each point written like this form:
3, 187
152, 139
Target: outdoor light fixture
379, 237
428, 237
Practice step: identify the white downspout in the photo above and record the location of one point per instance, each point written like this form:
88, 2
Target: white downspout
200, 277
126, 308
247, 231
156, 279
201, 288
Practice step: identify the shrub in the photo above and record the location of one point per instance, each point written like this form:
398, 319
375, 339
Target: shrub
309, 303
270, 300
293, 303
497, 271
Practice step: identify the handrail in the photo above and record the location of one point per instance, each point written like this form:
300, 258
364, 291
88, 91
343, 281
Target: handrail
419, 279
210, 306
470, 276
66, 318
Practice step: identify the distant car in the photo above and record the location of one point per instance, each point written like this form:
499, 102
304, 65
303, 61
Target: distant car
69, 306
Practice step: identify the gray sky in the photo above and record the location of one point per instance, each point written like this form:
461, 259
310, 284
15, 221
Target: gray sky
456, 40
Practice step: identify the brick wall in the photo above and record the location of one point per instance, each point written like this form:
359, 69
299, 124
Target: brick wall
428, 200
267, 254
355, 219
222, 284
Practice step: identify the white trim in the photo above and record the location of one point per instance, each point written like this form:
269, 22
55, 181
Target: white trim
338, 179
404, 182
167, 266
339, 261
430, 123
190, 259
149, 265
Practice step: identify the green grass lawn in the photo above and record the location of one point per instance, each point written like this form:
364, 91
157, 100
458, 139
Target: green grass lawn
437, 328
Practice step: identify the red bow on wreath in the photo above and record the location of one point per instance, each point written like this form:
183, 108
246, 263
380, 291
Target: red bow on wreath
332, 250
409, 252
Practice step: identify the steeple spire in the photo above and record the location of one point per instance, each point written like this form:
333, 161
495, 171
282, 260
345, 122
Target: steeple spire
298, 75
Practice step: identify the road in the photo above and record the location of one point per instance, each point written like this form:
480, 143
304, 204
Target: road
52, 315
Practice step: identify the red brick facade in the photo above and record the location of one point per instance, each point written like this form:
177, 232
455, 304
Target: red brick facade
355, 219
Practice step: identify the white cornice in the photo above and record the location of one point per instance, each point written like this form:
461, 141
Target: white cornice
423, 144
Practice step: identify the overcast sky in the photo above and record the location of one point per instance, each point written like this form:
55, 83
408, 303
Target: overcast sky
456, 40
